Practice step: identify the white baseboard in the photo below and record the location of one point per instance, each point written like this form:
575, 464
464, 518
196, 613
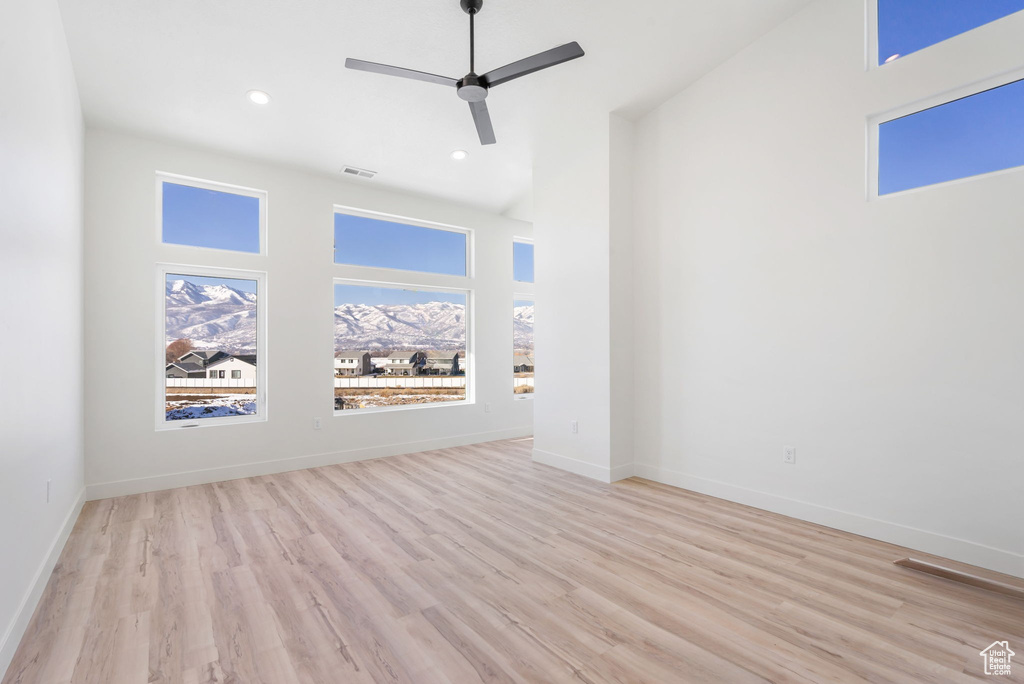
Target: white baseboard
106, 490
572, 465
622, 472
594, 472
16, 629
961, 550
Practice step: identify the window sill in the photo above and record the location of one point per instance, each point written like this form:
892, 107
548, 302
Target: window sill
407, 407
172, 425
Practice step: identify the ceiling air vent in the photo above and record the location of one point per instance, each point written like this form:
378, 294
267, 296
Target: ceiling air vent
361, 173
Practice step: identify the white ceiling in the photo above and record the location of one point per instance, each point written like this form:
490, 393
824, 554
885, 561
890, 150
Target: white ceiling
179, 70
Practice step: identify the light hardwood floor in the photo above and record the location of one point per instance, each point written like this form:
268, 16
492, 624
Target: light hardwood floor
473, 564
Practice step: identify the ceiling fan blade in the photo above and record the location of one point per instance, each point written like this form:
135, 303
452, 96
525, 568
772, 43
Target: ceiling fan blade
543, 60
360, 65
482, 119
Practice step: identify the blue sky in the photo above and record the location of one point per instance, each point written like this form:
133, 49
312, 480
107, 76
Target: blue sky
522, 302
209, 218
974, 135
966, 137
383, 244
906, 26
522, 262
240, 285
361, 294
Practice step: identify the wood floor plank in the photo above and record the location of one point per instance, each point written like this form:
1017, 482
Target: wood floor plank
476, 564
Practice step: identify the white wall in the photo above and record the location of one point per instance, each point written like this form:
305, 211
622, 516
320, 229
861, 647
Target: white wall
881, 338
621, 337
124, 452
40, 306
571, 235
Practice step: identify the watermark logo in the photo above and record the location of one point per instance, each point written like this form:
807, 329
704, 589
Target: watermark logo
997, 658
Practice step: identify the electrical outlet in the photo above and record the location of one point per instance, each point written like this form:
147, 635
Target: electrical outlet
316, 424
487, 408
574, 427
49, 484
789, 454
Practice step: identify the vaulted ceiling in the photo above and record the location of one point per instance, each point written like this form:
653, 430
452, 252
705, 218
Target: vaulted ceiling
180, 71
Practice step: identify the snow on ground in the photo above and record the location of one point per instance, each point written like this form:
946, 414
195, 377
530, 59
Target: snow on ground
377, 401
212, 406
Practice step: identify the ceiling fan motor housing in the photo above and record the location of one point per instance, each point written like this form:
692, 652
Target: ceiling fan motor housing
472, 6
472, 89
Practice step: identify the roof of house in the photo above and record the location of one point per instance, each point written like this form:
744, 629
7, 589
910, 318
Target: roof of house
187, 366
207, 354
520, 359
404, 355
447, 354
346, 354
247, 358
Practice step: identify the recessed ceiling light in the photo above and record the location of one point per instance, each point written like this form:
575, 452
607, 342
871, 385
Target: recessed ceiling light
459, 155
892, 57
259, 97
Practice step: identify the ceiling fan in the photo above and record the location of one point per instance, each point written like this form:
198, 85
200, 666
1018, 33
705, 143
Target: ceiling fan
471, 87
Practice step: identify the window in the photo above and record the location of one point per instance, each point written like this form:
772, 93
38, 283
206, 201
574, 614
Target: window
522, 262
522, 347
416, 339
210, 318
210, 215
365, 241
973, 135
906, 26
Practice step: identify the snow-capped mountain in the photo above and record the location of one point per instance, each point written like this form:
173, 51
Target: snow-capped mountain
522, 326
212, 316
221, 317
434, 325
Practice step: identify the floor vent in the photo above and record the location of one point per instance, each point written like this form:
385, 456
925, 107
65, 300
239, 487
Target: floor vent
362, 173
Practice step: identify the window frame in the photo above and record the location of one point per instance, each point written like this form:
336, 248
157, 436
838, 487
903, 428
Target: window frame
163, 270
520, 297
409, 221
471, 366
203, 184
875, 121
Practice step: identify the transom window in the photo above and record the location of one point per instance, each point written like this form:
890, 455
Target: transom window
375, 242
907, 26
522, 261
973, 135
211, 215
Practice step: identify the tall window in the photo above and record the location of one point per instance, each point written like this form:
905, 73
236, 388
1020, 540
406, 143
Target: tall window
212, 339
522, 347
400, 344
398, 347
973, 135
522, 261
211, 328
906, 26
198, 213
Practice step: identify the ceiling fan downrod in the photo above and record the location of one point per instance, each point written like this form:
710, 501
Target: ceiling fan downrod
469, 86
